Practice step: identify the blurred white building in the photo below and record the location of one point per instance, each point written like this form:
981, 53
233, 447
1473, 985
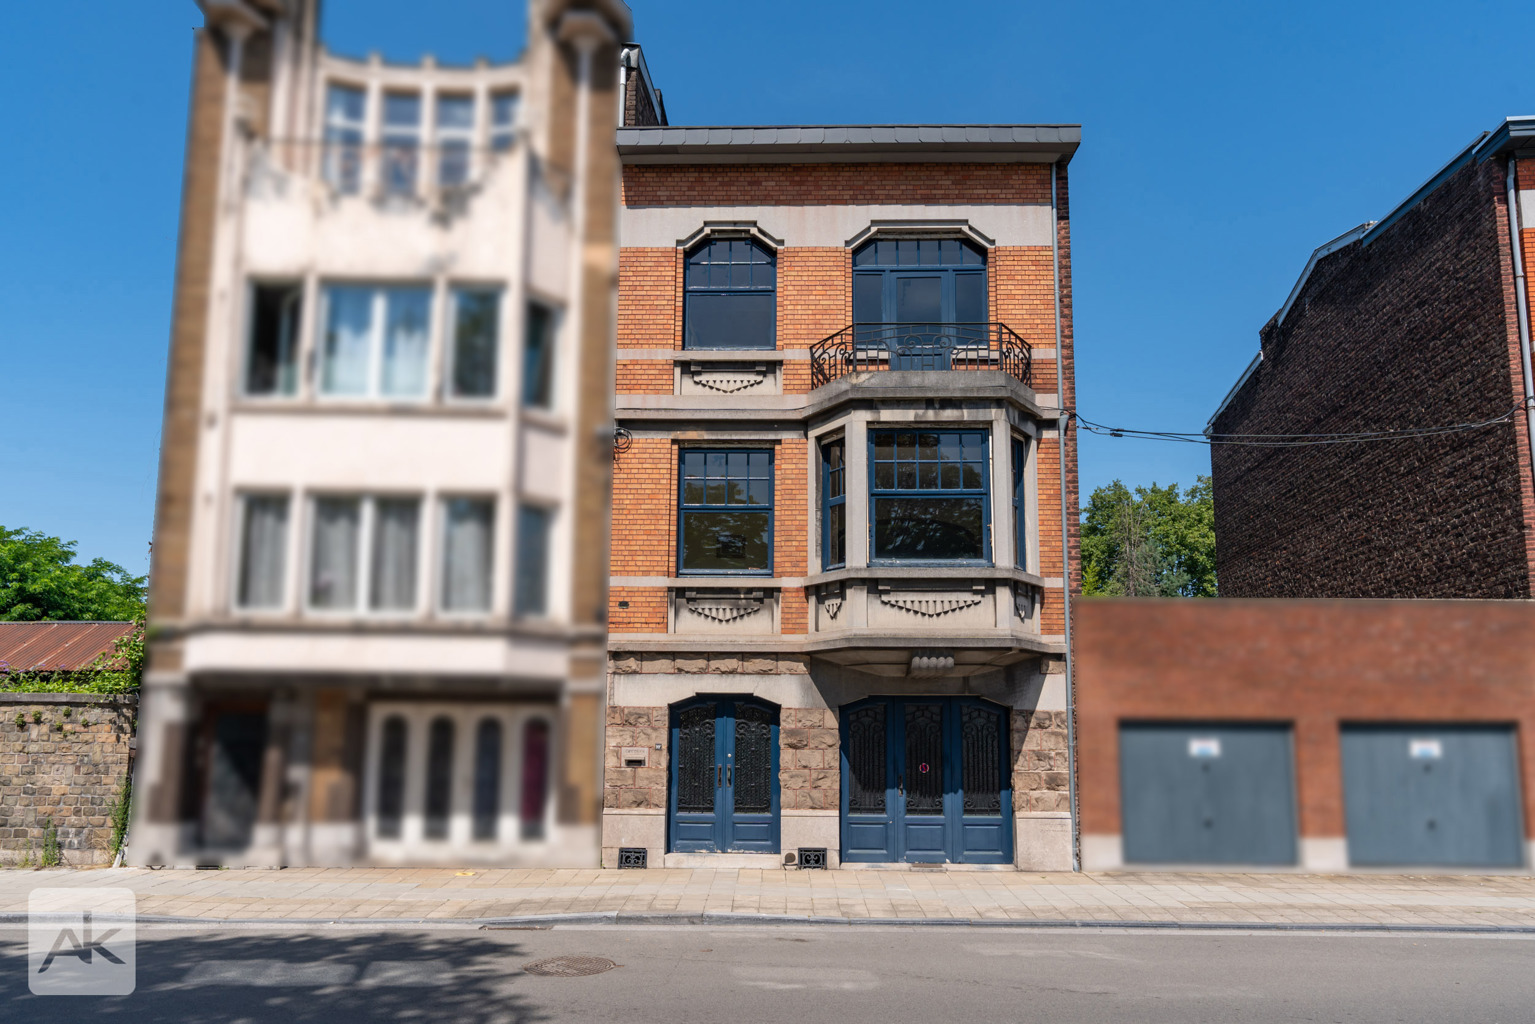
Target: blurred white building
379, 578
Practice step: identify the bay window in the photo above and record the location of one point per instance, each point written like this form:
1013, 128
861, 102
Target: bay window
476, 342
455, 136
833, 504
468, 535
376, 341
263, 545
345, 122
341, 577
402, 141
928, 496
725, 512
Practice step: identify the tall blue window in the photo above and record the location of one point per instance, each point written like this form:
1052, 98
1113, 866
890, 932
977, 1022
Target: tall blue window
928, 496
919, 281
1020, 517
833, 504
730, 296
725, 512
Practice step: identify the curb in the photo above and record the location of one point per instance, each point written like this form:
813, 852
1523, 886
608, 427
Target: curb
540, 922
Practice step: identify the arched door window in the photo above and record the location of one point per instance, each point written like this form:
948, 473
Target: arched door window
730, 295
487, 778
535, 777
919, 281
391, 778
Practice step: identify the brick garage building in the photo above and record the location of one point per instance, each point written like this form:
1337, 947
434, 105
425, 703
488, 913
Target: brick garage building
1401, 731
838, 592
1418, 319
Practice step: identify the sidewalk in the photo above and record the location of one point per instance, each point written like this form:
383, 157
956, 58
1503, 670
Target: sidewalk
435, 894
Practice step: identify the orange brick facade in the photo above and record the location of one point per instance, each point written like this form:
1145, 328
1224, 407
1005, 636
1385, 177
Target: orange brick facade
831, 184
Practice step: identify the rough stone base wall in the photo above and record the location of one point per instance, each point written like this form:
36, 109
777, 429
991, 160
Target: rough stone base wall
1041, 761
65, 764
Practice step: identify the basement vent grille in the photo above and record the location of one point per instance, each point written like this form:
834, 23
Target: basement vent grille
812, 857
633, 856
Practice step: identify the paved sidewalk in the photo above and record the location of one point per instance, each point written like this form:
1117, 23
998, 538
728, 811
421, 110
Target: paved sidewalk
415, 894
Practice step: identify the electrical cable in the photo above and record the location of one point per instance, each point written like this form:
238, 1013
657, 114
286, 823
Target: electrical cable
1294, 440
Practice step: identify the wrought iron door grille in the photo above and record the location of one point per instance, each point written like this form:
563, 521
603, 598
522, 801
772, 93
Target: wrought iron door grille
812, 857
633, 856
925, 346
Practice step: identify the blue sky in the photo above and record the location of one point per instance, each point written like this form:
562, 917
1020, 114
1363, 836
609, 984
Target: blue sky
1221, 143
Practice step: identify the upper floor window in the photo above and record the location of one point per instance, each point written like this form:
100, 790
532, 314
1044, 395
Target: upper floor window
919, 281
455, 138
833, 504
376, 341
928, 495
345, 122
263, 546
531, 591
725, 512
730, 296
1020, 508
469, 526
401, 142
363, 554
538, 358
503, 120
476, 340
271, 366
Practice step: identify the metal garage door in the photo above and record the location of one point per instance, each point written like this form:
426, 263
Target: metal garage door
1432, 795
1207, 794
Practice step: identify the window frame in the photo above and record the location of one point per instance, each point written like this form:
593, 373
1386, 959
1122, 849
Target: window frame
683, 509
448, 387
367, 536
951, 272
400, 138
335, 147
546, 589
285, 550
689, 290
440, 577
296, 294
453, 135
829, 501
554, 323
378, 327
983, 492
502, 135
1018, 452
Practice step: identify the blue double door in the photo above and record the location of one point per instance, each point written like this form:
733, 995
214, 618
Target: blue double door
926, 779
724, 776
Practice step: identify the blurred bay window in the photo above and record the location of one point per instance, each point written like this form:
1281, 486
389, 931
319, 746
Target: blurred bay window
476, 339
345, 124
376, 341
503, 121
455, 137
468, 543
538, 357
263, 551
388, 528
534, 526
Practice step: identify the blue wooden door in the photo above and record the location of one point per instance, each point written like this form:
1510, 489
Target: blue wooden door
724, 776
926, 780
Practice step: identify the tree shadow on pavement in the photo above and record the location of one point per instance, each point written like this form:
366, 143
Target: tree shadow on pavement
330, 976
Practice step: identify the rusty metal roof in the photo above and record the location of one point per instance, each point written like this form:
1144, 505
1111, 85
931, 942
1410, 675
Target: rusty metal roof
56, 646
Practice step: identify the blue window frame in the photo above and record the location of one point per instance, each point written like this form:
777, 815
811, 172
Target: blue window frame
1020, 519
921, 281
833, 504
730, 295
725, 512
929, 496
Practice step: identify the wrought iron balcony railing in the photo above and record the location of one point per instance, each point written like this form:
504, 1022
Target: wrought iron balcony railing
910, 346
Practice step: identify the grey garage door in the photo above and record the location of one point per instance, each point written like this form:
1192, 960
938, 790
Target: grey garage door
1207, 794
1445, 796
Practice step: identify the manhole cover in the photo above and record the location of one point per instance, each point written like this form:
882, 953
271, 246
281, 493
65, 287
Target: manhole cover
570, 966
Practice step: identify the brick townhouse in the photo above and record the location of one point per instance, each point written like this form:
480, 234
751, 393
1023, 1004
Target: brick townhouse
1418, 319
839, 585
379, 576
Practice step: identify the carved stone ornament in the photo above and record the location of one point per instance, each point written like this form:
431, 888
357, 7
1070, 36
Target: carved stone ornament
1023, 600
929, 605
833, 605
726, 609
727, 381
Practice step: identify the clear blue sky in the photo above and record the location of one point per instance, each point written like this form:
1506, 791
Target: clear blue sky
1221, 143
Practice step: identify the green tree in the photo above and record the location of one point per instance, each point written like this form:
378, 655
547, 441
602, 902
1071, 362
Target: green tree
1153, 542
40, 580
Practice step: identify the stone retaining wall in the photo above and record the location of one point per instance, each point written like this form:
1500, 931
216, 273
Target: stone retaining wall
65, 764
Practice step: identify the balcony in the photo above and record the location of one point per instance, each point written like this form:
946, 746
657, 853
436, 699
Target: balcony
860, 348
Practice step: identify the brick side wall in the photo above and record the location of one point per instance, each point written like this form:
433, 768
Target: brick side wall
1408, 331
649, 298
1314, 664
65, 764
834, 184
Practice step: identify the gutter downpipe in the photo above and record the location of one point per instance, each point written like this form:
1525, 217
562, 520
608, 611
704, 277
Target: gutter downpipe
1063, 425
1522, 304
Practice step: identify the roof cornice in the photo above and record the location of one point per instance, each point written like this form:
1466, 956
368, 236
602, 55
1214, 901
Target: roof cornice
862, 143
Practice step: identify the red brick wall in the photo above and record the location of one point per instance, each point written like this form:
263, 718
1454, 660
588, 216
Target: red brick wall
649, 298
1316, 664
835, 184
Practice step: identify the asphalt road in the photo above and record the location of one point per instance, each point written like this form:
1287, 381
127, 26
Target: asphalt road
683, 974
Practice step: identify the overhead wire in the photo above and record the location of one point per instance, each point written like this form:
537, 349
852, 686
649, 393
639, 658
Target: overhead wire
1294, 440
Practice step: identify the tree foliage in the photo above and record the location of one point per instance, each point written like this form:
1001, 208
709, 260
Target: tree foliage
1153, 542
41, 581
